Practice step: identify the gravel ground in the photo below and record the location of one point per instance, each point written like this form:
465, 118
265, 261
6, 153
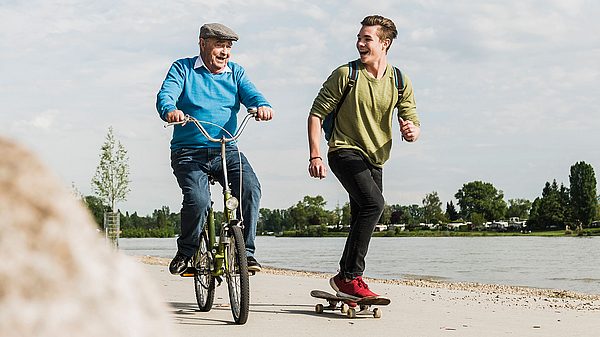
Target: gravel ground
536, 298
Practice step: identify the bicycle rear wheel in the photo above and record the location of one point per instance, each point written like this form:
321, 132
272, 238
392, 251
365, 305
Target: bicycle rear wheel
238, 281
204, 281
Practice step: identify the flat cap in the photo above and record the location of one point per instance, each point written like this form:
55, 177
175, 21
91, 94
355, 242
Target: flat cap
218, 31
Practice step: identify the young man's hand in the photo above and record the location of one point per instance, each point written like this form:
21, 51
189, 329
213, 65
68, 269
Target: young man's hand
316, 168
410, 132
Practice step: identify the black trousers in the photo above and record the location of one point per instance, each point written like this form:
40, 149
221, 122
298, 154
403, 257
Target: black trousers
363, 182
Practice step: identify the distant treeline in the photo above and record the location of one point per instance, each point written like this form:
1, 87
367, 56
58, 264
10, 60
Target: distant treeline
559, 207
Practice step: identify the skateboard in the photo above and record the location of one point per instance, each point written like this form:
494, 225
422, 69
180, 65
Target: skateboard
346, 305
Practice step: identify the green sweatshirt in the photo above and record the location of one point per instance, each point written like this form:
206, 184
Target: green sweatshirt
364, 121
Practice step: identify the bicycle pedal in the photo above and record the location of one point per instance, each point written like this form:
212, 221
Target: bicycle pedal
188, 272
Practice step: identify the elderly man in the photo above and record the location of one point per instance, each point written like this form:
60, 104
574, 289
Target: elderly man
210, 88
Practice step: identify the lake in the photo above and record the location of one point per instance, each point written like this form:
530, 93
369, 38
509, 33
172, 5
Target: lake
568, 263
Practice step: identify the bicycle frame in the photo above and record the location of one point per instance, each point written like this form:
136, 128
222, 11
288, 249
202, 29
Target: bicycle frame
230, 203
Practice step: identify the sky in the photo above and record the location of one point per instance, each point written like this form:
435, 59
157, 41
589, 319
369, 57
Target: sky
507, 91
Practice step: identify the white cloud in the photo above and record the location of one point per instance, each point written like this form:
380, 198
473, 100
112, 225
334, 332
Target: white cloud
423, 34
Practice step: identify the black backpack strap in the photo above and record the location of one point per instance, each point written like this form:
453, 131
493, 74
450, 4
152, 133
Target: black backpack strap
399, 83
352, 77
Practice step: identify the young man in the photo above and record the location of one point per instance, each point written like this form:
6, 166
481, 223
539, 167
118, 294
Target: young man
210, 88
361, 141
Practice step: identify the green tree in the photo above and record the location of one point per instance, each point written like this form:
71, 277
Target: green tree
451, 212
397, 215
551, 210
432, 208
386, 215
111, 181
309, 212
477, 221
598, 208
96, 208
518, 208
346, 216
482, 198
534, 215
412, 215
271, 220
583, 193
160, 217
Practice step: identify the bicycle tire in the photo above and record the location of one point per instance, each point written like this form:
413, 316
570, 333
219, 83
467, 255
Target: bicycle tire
204, 281
238, 280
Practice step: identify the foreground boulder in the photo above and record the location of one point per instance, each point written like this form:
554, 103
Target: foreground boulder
58, 276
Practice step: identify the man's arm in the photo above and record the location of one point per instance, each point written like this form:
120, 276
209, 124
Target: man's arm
326, 100
316, 167
410, 126
166, 99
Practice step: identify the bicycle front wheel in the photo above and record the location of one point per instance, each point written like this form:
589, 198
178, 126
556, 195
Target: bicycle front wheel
204, 281
238, 281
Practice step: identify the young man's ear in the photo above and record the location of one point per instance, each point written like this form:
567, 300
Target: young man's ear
386, 44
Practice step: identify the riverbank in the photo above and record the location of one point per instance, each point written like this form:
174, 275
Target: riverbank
588, 232
281, 304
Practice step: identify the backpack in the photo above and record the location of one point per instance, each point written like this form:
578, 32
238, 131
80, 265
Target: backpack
329, 122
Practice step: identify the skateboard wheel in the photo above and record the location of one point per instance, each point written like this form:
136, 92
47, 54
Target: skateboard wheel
344, 308
351, 313
319, 308
377, 313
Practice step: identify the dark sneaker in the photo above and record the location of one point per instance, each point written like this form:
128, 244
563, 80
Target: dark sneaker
354, 289
253, 265
178, 264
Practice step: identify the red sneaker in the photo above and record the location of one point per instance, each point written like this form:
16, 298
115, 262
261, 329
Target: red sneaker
355, 289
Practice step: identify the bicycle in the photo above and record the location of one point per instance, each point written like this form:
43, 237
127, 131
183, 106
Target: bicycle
225, 254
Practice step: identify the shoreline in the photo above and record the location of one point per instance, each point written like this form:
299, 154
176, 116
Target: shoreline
527, 297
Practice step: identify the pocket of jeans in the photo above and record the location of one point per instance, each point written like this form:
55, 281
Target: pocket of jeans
181, 157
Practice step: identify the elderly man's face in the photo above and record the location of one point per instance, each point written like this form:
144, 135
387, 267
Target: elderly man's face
215, 53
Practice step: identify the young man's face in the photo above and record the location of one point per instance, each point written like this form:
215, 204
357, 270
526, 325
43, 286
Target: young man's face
215, 53
370, 47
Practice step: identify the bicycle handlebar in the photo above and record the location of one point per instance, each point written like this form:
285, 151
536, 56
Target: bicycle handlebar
252, 112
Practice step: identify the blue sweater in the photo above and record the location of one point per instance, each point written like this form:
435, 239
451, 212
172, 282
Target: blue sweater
208, 97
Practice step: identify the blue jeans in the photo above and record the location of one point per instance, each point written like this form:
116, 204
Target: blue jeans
363, 182
191, 167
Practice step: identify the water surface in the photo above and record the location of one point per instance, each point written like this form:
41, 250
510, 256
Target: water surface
544, 262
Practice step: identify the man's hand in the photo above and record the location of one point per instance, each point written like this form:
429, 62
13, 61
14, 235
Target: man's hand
410, 132
264, 113
316, 168
175, 116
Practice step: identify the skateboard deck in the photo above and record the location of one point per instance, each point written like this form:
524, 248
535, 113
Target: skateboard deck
346, 305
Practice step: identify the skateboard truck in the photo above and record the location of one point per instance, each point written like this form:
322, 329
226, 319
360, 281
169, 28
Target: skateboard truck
348, 306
